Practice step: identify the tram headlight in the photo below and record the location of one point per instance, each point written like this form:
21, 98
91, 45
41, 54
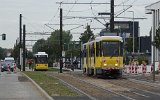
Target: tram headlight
105, 64
116, 64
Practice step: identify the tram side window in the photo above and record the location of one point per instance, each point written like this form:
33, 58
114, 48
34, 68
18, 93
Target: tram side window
97, 49
100, 48
92, 50
84, 51
89, 50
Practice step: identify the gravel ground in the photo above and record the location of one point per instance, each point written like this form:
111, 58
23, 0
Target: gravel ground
88, 89
111, 89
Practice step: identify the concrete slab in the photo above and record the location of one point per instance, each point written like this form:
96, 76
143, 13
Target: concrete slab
13, 87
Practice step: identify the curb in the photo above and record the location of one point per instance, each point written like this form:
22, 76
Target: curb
44, 93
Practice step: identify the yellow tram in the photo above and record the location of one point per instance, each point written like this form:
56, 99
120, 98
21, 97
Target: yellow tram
103, 56
40, 61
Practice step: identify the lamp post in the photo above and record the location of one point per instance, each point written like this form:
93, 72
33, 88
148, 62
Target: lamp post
133, 29
153, 12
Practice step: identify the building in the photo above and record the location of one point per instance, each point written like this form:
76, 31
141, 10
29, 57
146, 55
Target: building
145, 44
142, 43
125, 29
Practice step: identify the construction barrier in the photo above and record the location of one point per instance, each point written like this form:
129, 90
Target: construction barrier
8, 68
159, 69
144, 68
140, 69
15, 68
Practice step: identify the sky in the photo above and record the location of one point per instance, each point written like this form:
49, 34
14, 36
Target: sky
39, 14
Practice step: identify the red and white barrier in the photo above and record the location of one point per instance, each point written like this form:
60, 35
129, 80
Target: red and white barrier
138, 69
8, 68
159, 68
144, 68
15, 68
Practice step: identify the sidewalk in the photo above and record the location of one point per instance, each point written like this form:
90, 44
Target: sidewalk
15, 86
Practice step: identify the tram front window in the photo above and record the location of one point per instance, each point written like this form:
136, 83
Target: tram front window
110, 48
41, 60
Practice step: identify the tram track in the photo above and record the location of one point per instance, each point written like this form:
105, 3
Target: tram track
108, 92
147, 91
87, 89
122, 89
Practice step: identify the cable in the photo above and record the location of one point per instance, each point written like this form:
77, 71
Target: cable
54, 15
30, 24
79, 10
71, 8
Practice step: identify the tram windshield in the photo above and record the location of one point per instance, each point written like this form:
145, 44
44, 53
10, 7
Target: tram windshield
110, 48
41, 59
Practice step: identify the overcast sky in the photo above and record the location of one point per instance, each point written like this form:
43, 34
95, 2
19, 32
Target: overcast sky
37, 13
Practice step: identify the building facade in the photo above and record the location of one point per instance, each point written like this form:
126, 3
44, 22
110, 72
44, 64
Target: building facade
125, 29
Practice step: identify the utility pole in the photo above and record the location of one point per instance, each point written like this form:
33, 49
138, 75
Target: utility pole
20, 43
154, 48
24, 48
112, 16
61, 61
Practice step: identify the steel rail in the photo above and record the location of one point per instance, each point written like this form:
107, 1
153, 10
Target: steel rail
89, 96
154, 93
108, 90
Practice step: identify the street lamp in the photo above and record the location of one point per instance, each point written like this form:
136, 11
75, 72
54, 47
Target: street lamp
133, 29
153, 12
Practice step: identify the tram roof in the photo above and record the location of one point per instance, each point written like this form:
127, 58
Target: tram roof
41, 53
101, 38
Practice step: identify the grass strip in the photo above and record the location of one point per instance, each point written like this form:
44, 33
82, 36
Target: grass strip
51, 85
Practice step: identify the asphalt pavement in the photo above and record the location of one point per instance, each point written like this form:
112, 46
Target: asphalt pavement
15, 86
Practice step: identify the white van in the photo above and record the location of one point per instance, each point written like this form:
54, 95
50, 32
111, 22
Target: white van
9, 61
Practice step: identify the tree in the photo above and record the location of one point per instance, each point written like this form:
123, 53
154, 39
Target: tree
54, 42
129, 45
39, 46
156, 41
88, 34
15, 52
29, 54
2, 55
52, 46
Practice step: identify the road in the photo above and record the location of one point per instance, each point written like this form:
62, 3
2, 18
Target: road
15, 86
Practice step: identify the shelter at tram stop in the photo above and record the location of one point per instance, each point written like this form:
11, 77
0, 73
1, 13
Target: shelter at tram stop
154, 9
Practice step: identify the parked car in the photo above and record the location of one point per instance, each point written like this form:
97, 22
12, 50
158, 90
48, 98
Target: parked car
3, 67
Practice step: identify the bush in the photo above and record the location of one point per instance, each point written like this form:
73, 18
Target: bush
142, 58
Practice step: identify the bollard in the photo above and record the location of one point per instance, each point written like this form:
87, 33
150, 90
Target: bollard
9, 71
136, 67
14, 68
144, 69
132, 69
158, 68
